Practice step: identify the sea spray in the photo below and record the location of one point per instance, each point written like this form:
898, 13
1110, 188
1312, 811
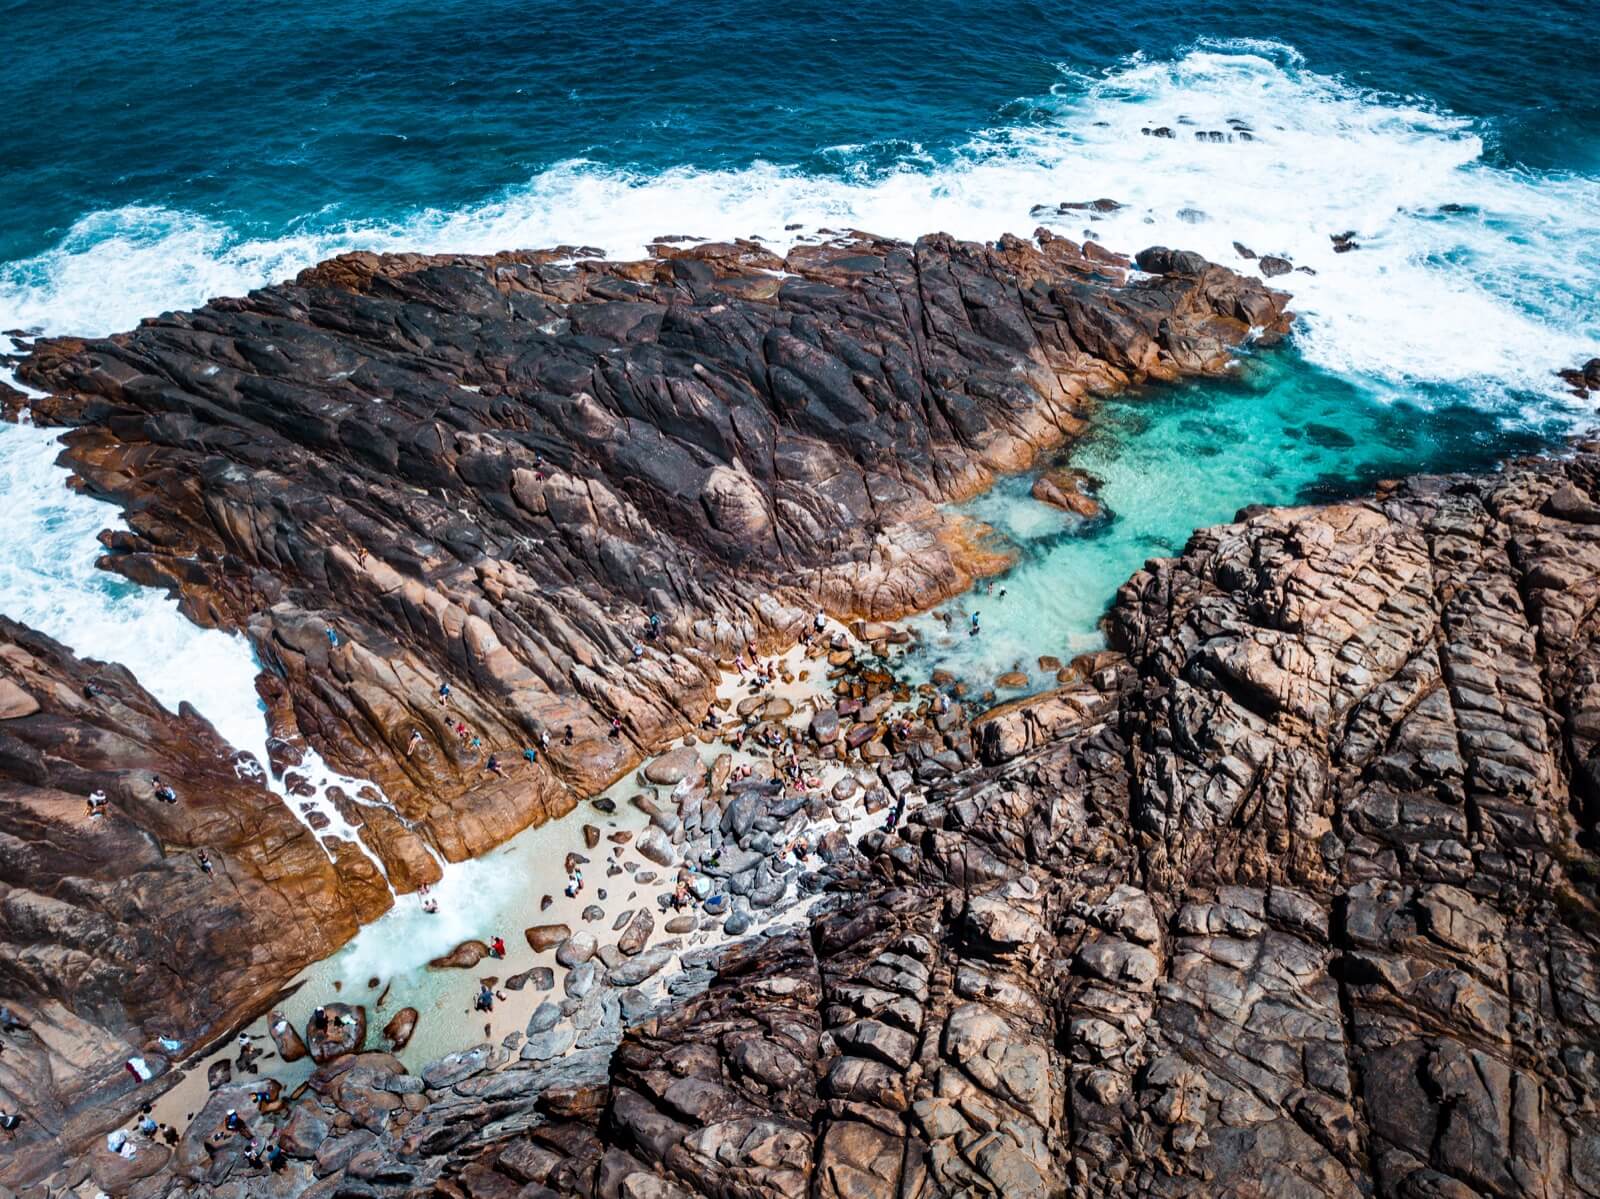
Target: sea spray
49, 581
1472, 279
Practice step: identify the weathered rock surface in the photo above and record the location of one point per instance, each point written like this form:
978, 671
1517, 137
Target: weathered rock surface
488, 472
1294, 897
111, 934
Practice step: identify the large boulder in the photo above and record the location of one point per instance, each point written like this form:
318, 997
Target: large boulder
546, 936
344, 1030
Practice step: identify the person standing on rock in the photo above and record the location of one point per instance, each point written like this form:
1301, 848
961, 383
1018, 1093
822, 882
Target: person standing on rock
204, 859
97, 804
566, 736
497, 947
333, 638
530, 756
638, 651
654, 631
444, 694
616, 729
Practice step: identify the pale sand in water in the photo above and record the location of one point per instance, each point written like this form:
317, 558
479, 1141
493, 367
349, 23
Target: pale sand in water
529, 866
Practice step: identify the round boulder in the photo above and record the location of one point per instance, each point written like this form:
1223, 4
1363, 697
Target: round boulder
400, 1027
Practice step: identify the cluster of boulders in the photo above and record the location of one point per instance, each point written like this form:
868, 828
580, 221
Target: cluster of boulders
399, 473
1294, 892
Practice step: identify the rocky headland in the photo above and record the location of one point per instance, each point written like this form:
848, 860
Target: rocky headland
1291, 892
397, 473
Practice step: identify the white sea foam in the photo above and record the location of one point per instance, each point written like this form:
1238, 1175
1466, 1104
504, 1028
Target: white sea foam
1487, 299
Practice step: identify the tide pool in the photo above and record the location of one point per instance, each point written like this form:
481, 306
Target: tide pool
1174, 459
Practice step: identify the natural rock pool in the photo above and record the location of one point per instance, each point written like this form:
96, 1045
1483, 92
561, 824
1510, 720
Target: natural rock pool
1174, 459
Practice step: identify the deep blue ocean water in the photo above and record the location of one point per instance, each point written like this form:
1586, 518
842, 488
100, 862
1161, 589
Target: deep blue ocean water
156, 157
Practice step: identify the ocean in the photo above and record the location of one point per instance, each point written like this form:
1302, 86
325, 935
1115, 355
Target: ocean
154, 160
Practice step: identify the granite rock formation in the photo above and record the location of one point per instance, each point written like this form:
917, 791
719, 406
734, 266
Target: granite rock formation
489, 472
1294, 894
113, 936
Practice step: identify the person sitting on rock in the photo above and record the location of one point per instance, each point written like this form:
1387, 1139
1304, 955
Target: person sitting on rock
97, 804
9, 1122
204, 859
530, 756
232, 1122
566, 735
638, 651
616, 729
493, 766
413, 742
163, 792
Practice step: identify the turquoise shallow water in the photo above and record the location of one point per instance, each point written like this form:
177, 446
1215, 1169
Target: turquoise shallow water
1171, 460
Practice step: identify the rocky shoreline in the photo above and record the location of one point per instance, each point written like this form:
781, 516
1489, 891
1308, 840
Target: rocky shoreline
396, 473
1293, 889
